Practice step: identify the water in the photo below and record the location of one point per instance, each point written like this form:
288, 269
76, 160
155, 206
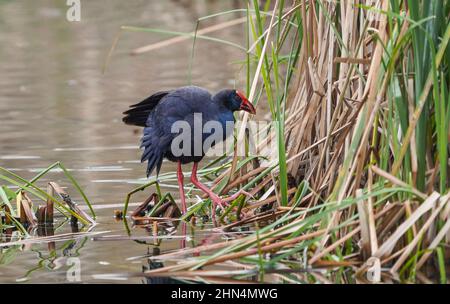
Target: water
57, 105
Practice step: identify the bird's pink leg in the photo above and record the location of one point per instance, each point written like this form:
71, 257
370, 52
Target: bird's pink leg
214, 197
181, 186
183, 235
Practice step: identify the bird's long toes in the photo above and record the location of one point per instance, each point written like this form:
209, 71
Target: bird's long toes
248, 194
237, 194
220, 202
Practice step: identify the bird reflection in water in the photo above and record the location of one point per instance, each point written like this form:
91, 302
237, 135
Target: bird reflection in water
154, 264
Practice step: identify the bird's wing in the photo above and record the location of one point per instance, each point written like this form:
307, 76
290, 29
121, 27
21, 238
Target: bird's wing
175, 106
158, 134
179, 104
138, 114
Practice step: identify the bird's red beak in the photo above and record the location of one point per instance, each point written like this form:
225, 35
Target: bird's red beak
246, 105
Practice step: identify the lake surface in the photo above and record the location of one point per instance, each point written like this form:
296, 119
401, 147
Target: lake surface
56, 104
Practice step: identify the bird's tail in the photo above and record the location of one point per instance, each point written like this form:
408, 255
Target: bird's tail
154, 158
138, 114
154, 149
154, 161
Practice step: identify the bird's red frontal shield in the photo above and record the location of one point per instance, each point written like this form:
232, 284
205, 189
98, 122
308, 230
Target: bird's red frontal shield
246, 104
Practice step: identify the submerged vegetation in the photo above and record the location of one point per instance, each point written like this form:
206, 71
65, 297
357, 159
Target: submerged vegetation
359, 99
21, 217
33, 215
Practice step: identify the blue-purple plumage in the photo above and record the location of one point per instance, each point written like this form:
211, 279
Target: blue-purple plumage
161, 110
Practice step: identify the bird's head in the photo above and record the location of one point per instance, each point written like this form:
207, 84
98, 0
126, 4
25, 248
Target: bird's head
235, 101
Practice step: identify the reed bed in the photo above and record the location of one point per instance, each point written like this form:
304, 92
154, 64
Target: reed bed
358, 93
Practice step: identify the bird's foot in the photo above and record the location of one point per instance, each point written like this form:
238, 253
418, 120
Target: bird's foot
224, 202
217, 201
237, 194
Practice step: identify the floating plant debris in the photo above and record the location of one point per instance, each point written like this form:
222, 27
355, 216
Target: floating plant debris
31, 209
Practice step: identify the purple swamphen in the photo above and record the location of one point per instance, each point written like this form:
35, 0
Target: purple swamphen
159, 112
